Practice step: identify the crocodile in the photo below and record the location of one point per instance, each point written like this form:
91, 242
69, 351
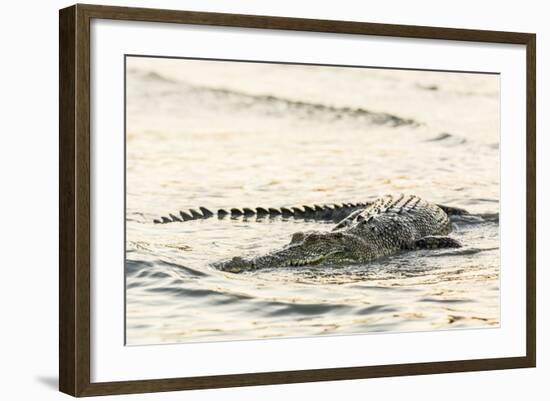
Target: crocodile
389, 225
330, 212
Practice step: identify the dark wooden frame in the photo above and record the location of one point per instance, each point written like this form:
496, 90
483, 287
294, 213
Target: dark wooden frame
74, 199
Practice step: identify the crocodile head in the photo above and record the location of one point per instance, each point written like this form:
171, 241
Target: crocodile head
305, 249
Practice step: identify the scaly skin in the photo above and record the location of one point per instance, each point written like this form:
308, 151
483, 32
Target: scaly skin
334, 213
384, 227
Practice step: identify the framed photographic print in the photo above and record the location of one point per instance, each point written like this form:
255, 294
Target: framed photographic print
250, 200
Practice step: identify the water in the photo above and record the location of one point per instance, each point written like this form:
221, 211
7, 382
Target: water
226, 134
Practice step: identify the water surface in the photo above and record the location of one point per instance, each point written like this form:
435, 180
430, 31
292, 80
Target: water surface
227, 134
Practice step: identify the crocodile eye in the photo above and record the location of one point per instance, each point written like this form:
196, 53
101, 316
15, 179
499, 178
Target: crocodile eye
312, 237
297, 237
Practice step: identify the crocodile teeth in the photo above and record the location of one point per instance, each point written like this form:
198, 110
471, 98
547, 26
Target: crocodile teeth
306, 262
316, 260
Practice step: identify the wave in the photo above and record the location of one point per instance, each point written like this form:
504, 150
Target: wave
480, 218
274, 105
461, 252
159, 269
449, 139
303, 109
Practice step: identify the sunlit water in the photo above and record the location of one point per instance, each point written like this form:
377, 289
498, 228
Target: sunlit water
220, 134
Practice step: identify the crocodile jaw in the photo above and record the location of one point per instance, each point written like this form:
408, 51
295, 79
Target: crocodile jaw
304, 250
299, 254
239, 265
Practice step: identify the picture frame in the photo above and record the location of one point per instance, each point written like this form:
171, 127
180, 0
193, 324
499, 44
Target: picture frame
76, 198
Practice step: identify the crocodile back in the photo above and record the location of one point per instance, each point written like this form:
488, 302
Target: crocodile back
394, 222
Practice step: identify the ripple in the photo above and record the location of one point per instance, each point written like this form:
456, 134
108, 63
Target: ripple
448, 139
305, 309
446, 300
353, 137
